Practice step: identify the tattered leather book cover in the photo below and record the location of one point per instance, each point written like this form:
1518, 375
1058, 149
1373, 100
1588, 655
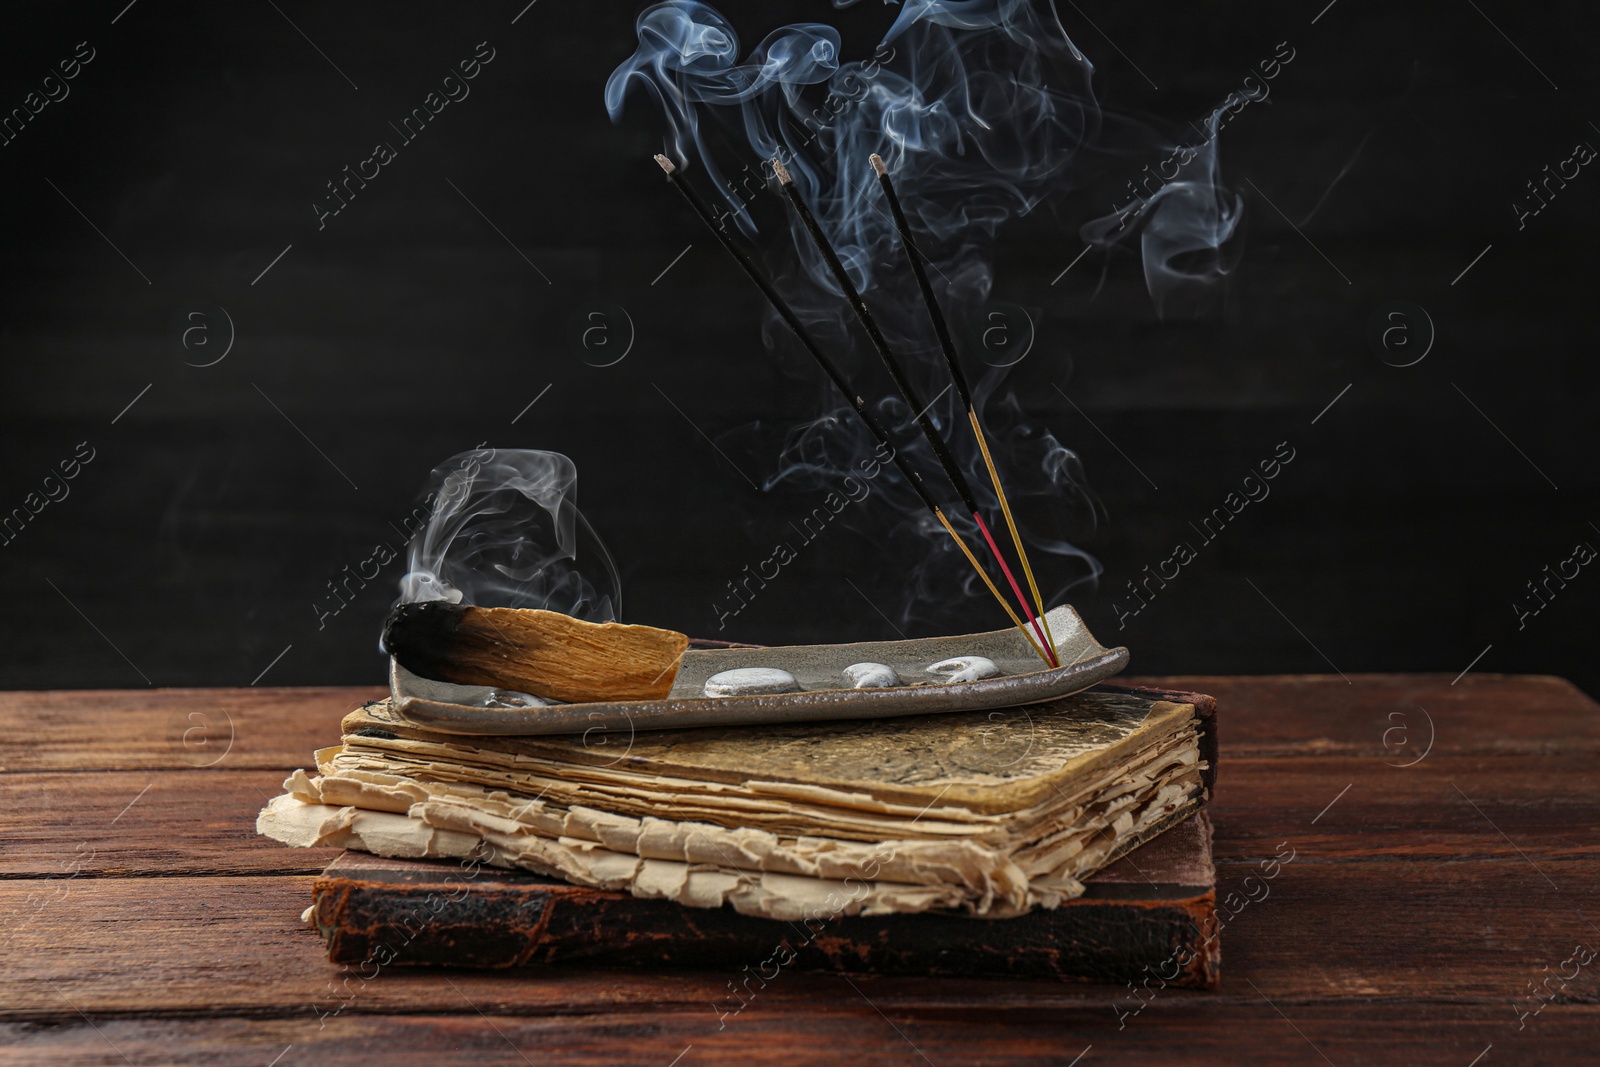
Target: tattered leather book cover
1145, 915
1150, 914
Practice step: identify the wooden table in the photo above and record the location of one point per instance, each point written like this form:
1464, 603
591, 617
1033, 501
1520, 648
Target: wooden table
1439, 872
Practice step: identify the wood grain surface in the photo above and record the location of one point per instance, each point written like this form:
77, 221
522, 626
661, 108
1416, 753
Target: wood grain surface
1438, 870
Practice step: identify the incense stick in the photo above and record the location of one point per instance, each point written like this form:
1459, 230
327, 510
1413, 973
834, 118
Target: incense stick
781, 306
892, 364
1005, 509
863, 314
1051, 659
947, 345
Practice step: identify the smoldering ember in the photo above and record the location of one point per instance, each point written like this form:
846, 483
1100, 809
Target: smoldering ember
754, 179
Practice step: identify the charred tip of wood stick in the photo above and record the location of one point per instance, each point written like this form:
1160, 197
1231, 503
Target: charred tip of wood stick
414, 627
877, 165
665, 164
784, 178
424, 638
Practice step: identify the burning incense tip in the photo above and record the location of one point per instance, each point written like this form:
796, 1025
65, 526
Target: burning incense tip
877, 164
781, 171
665, 163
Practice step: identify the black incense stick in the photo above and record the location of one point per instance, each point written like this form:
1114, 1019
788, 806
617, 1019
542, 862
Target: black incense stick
863, 314
892, 364
792, 320
781, 306
940, 328
947, 345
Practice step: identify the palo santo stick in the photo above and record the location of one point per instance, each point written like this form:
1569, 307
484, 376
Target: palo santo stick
532, 651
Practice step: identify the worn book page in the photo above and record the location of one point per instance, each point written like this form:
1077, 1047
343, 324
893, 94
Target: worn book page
981, 762
735, 845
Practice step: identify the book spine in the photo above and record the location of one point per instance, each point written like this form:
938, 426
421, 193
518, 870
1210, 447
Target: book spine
500, 925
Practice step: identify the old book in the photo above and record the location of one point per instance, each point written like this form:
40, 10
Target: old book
1149, 915
992, 813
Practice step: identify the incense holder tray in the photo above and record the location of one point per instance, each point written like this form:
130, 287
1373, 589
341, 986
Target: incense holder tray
824, 689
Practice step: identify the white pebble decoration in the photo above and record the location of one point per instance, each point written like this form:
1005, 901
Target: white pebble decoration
965, 669
749, 681
871, 675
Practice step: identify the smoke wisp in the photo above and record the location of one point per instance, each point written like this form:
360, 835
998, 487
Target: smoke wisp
983, 110
504, 530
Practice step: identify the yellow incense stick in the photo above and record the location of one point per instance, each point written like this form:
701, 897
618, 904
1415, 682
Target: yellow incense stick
965, 551
1016, 538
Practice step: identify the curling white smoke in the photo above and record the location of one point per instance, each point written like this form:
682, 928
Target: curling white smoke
1182, 220
983, 111
504, 531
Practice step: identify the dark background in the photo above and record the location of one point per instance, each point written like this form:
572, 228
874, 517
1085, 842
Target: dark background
193, 548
